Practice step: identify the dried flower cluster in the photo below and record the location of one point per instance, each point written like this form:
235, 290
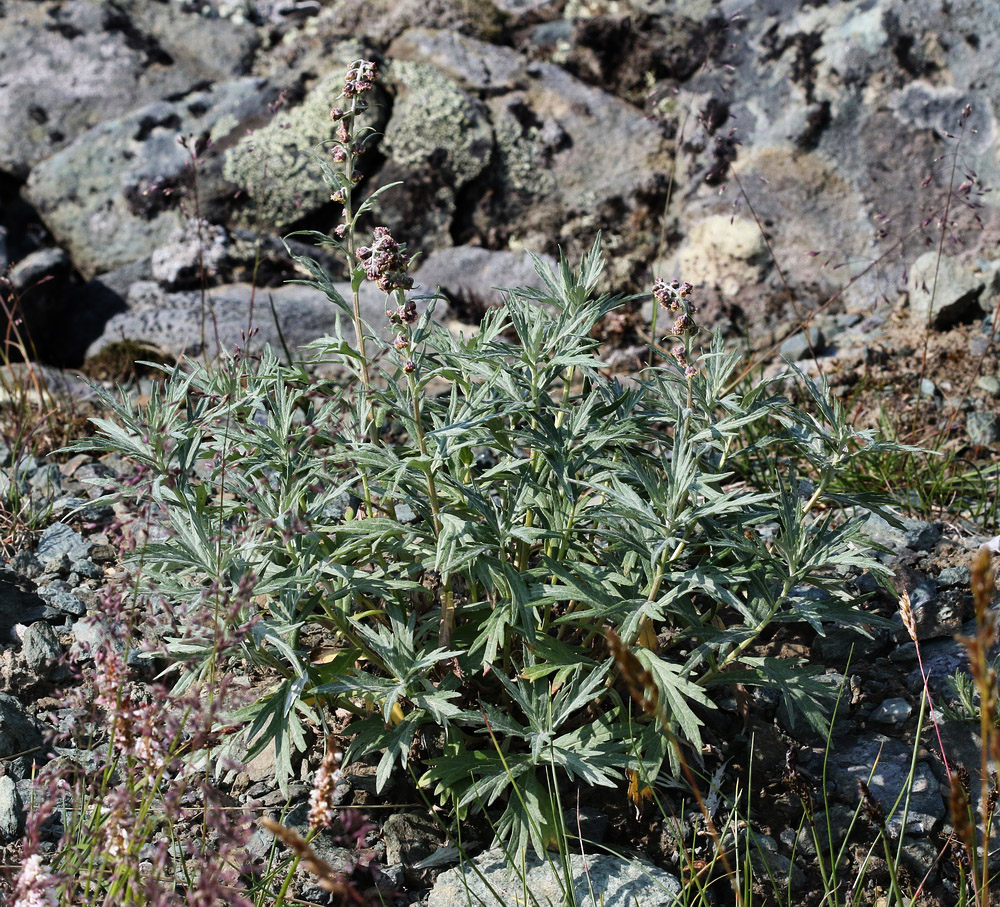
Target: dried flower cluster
359, 79
675, 297
385, 263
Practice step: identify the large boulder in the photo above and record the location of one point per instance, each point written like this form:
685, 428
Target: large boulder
844, 132
67, 66
190, 323
123, 187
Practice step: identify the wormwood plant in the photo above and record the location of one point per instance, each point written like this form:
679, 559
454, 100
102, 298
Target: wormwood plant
439, 543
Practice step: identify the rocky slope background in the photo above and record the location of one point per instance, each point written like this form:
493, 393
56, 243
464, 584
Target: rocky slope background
820, 172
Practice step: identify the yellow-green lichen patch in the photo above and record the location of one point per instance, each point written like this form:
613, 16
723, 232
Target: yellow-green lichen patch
277, 166
435, 123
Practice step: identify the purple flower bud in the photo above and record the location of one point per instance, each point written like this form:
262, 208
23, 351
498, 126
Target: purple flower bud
410, 367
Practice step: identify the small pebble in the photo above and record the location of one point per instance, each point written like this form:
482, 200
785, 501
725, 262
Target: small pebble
892, 711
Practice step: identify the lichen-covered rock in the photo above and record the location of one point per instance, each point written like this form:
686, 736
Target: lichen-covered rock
120, 190
570, 160
612, 880
276, 164
65, 67
438, 141
435, 122
724, 253
826, 120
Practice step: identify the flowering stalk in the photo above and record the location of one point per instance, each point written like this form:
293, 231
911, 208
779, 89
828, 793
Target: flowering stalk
387, 266
351, 143
674, 297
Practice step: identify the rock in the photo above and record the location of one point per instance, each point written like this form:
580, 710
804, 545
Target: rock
87, 637
20, 739
815, 114
556, 175
194, 250
40, 648
435, 122
16, 607
11, 811
955, 576
439, 140
65, 67
983, 429
724, 253
383, 20
917, 535
116, 193
612, 880
472, 277
410, 838
586, 824
803, 345
62, 601
890, 760
944, 292
892, 711
41, 281
473, 64
990, 384
58, 540
173, 321
276, 165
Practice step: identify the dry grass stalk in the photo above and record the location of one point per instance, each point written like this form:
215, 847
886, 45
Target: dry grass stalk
326, 876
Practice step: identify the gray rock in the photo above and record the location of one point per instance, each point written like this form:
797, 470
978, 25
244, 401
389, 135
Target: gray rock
892, 711
803, 344
173, 321
11, 811
87, 636
473, 64
193, 250
982, 429
40, 647
955, 576
586, 824
817, 148
42, 283
883, 763
944, 292
62, 601
410, 837
116, 193
614, 881
990, 384
20, 739
917, 535
554, 168
472, 277
58, 540
67, 67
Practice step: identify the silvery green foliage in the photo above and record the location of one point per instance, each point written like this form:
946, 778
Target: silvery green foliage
468, 636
